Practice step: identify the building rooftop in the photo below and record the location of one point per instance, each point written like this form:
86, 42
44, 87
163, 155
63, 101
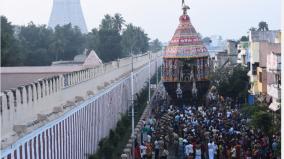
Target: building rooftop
272, 36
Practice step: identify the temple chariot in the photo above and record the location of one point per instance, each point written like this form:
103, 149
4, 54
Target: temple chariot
185, 63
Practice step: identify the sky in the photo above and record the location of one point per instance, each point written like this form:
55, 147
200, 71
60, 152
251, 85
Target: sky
159, 18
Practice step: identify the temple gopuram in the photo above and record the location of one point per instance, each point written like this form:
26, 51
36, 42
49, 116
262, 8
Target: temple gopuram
185, 63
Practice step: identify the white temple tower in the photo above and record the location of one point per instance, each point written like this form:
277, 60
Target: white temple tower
65, 12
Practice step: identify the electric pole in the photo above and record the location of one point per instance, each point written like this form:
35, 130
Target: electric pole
132, 103
149, 90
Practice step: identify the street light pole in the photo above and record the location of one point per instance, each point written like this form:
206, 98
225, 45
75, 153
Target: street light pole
149, 90
157, 71
132, 103
162, 69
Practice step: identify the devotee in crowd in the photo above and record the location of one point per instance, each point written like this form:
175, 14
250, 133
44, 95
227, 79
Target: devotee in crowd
143, 151
216, 131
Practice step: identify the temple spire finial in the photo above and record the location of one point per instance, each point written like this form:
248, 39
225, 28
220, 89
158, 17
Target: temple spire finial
182, 3
184, 7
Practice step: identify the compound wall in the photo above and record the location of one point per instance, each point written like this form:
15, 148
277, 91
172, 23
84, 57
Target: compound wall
78, 131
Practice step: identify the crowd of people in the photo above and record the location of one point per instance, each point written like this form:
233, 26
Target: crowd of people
192, 132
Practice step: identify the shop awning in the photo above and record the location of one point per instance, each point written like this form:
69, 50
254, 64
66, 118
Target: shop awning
274, 106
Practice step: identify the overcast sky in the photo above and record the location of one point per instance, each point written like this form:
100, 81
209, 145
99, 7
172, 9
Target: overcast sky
159, 18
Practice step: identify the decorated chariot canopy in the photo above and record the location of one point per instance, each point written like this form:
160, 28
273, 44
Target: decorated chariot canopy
185, 43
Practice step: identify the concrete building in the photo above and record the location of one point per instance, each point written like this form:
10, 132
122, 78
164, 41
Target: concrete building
232, 51
227, 57
65, 12
271, 36
221, 59
243, 53
260, 45
274, 80
65, 116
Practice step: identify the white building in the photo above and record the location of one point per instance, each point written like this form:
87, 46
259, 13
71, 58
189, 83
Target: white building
227, 57
243, 53
261, 43
274, 79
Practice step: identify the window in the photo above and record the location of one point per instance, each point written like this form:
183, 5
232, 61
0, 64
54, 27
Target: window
254, 68
278, 80
248, 65
260, 77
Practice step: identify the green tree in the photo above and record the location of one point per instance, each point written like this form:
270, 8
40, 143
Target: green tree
142, 42
69, 41
263, 120
244, 38
93, 40
107, 23
262, 26
57, 49
118, 22
109, 47
250, 110
231, 82
35, 44
128, 39
41, 45
10, 52
207, 40
134, 40
155, 45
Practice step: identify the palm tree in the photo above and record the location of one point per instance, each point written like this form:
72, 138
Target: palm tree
118, 21
107, 23
262, 26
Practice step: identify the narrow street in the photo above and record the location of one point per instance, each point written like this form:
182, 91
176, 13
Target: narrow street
178, 79
214, 131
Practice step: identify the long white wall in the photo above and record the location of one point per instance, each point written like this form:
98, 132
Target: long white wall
22, 107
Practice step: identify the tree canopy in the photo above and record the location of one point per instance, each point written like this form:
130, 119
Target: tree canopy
231, 82
244, 38
38, 45
134, 40
34, 45
207, 40
155, 45
262, 26
118, 22
262, 120
9, 45
109, 45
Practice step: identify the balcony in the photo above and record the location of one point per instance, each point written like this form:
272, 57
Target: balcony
274, 91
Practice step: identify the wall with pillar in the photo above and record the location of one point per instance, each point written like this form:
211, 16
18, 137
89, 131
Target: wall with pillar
74, 132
